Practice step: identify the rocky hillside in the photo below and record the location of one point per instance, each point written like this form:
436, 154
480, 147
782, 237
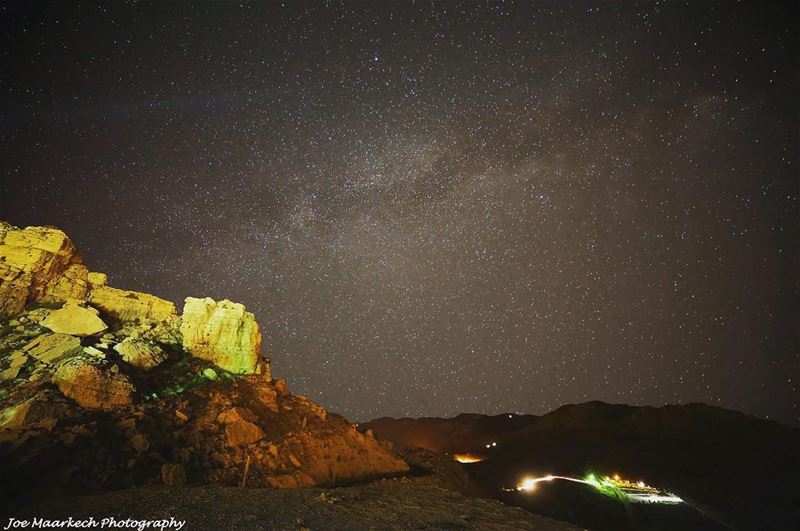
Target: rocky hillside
107, 388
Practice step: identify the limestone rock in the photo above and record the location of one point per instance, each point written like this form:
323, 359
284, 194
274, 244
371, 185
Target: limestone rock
242, 433
31, 262
75, 320
50, 348
222, 333
70, 285
94, 352
165, 332
9, 374
140, 354
16, 361
93, 386
96, 280
125, 305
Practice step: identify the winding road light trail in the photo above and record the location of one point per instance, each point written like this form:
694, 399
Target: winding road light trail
530, 483
622, 490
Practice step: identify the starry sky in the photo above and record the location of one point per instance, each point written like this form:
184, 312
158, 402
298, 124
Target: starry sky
434, 208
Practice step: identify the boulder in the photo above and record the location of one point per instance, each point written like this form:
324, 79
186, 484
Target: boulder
92, 385
140, 354
94, 352
242, 433
235, 414
16, 360
75, 320
32, 260
51, 348
9, 374
222, 333
125, 305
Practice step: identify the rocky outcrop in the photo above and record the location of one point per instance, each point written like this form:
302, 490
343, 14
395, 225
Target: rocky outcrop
123, 305
222, 333
33, 267
41, 265
104, 387
75, 320
92, 385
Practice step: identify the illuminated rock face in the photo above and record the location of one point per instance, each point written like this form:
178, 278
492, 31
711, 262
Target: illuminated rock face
125, 305
72, 284
75, 320
222, 333
38, 264
51, 348
140, 354
93, 386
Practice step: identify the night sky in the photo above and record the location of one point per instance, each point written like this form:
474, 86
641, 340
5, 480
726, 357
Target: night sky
435, 208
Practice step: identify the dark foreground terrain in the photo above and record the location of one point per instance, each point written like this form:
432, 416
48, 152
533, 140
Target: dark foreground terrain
382, 505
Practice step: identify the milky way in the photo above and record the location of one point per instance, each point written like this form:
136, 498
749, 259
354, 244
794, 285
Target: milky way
435, 208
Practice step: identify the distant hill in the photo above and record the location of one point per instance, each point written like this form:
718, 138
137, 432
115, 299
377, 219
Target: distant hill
735, 468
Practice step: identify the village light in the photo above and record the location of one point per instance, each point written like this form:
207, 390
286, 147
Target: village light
467, 458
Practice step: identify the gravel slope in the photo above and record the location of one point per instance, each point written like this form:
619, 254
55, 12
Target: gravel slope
390, 505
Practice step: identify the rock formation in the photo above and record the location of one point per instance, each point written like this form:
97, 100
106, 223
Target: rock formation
125, 305
38, 264
105, 387
222, 333
75, 320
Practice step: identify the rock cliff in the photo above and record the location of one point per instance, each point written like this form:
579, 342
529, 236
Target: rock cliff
221, 332
102, 387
